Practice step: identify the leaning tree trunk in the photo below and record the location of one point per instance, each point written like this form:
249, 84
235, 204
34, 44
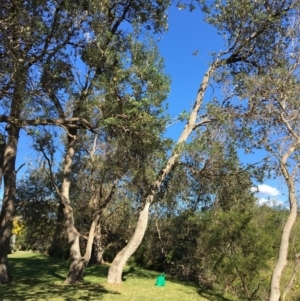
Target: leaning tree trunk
116, 268
8, 203
288, 226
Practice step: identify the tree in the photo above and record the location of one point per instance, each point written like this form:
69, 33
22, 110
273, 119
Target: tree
23, 55
135, 115
273, 114
42, 44
250, 29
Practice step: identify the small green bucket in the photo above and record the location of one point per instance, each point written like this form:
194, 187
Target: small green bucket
160, 280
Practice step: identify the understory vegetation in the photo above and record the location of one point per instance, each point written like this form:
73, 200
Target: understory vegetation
229, 252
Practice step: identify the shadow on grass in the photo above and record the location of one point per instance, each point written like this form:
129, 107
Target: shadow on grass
136, 272
129, 272
50, 291
40, 278
213, 296
97, 270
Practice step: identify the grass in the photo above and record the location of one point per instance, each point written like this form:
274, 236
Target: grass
36, 277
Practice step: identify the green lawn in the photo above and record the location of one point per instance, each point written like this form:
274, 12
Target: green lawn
36, 277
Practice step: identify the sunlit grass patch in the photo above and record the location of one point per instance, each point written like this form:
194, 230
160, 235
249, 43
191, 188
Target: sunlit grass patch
37, 277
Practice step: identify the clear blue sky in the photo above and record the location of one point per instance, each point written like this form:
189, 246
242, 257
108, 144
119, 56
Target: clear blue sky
187, 34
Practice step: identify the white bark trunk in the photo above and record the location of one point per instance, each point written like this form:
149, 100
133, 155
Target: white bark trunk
288, 226
116, 268
283, 252
79, 263
89, 244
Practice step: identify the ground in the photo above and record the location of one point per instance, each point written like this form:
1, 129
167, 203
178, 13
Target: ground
36, 277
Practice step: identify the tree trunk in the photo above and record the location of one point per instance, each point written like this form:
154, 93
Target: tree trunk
288, 226
9, 173
76, 271
79, 263
8, 203
116, 268
97, 255
97, 249
283, 252
2, 150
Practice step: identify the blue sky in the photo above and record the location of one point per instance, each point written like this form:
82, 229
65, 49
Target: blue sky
187, 34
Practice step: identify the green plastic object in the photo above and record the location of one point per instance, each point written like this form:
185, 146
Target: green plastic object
160, 280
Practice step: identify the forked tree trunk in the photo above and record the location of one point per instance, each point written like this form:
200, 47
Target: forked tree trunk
79, 263
116, 268
8, 203
288, 226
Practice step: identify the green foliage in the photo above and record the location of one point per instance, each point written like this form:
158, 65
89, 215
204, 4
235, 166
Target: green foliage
133, 107
50, 38
40, 213
223, 250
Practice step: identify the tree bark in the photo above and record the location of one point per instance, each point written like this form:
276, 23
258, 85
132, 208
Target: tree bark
8, 203
288, 226
79, 263
9, 173
98, 248
116, 268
